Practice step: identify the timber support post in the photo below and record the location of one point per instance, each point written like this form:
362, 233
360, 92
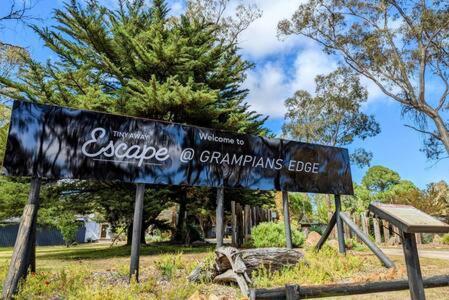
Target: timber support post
340, 230
137, 231
219, 222
20, 260
288, 233
415, 280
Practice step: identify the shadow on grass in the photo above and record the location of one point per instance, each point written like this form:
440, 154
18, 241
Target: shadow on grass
121, 251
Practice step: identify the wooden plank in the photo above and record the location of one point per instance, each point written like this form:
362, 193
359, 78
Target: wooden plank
248, 225
137, 231
292, 292
219, 217
288, 233
418, 238
365, 238
413, 268
346, 289
233, 225
326, 232
239, 219
377, 235
364, 221
386, 230
21, 254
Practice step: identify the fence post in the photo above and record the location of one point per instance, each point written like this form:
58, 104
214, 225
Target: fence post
288, 234
377, 236
233, 225
386, 229
23, 245
292, 292
219, 217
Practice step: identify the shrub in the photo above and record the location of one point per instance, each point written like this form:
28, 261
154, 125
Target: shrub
168, 264
270, 234
445, 239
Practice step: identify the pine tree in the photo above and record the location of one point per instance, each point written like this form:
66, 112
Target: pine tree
136, 60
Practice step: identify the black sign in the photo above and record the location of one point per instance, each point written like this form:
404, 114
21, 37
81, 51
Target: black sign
56, 142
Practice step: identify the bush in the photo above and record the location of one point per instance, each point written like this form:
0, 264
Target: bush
445, 239
168, 264
270, 234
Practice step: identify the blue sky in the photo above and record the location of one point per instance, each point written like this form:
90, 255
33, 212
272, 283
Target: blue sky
281, 68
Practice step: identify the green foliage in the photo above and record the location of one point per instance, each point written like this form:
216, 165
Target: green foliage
13, 196
270, 234
359, 202
137, 60
300, 206
380, 178
333, 115
445, 239
400, 46
168, 264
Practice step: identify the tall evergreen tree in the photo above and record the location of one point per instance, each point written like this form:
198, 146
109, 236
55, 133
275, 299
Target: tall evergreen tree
136, 60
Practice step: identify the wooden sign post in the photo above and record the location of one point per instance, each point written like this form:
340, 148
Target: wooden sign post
288, 232
219, 222
410, 220
137, 232
21, 256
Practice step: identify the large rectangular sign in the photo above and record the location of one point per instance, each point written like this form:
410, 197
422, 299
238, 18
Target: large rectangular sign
56, 142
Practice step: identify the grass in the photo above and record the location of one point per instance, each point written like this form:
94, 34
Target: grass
97, 271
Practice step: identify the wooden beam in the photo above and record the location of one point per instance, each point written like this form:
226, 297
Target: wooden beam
377, 235
137, 231
20, 259
233, 225
372, 246
219, 217
346, 289
413, 268
288, 233
326, 232
340, 231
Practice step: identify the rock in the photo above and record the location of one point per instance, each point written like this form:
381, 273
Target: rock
312, 239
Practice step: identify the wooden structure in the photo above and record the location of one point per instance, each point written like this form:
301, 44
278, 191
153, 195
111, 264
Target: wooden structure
410, 220
294, 292
338, 219
243, 219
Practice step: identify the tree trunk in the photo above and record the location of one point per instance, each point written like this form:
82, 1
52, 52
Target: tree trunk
180, 234
443, 131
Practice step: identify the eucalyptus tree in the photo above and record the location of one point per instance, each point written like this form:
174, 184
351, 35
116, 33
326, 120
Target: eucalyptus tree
401, 46
333, 114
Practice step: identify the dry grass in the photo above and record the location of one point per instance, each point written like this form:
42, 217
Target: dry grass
96, 271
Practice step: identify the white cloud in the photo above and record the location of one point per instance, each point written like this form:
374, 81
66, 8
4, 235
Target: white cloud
260, 39
270, 83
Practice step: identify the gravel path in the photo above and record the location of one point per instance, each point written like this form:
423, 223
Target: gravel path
441, 254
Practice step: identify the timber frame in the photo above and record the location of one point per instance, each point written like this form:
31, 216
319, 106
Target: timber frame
338, 218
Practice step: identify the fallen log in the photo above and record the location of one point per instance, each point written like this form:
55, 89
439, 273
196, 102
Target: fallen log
233, 265
271, 258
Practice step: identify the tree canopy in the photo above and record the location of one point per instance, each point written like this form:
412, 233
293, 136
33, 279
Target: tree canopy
401, 46
136, 60
333, 115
